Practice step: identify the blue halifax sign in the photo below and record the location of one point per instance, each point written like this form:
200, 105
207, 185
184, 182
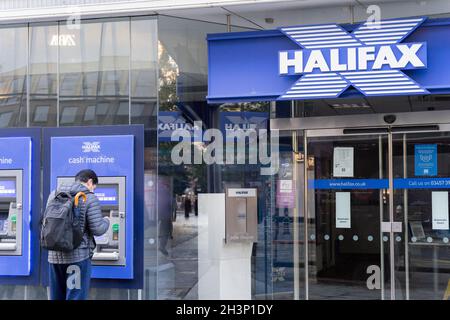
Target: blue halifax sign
390, 57
369, 59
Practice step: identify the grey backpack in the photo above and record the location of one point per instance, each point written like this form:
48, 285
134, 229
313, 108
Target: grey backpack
61, 223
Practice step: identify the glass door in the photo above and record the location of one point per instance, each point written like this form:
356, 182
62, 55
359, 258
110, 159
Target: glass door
347, 200
421, 202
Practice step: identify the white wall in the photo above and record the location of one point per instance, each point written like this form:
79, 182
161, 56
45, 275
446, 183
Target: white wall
224, 270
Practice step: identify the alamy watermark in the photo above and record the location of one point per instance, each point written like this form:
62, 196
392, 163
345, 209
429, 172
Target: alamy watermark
373, 282
374, 19
238, 146
74, 277
65, 37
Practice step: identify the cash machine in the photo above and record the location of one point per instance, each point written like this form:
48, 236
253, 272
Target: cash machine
11, 213
110, 247
116, 155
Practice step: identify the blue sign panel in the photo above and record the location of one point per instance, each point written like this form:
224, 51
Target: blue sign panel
425, 160
108, 156
364, 184
369, 59
7, 188
349, 184
391, 57
422, 183
16, 154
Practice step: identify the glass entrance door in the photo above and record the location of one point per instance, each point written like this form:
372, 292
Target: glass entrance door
421, 202
372, 199
347, 200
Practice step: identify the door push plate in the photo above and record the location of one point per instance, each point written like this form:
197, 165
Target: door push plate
391, 226
397, 227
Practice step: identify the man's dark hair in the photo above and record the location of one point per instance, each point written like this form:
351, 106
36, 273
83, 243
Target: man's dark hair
85, 175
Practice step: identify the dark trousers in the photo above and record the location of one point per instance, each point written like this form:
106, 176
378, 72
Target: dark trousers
70, 281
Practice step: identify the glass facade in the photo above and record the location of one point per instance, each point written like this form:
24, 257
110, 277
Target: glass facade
124, 71
13, 76
102, 72
120, 71
183, 71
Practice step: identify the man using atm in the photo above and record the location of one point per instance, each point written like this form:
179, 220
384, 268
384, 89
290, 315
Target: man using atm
78, 262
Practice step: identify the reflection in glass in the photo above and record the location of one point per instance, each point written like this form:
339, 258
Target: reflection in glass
144, 64
13, 62
43, 75
94, 73
41, 114
68, 115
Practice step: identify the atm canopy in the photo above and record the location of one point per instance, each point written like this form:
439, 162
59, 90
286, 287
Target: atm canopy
407, 56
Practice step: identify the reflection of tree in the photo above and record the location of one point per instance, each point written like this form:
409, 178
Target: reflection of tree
168, 74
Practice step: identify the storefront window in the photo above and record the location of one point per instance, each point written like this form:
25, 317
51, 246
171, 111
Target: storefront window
94, 64
79, 76
43, 75
183, 68
13, 82
144, 110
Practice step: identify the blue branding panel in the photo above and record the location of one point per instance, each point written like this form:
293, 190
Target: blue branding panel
422, 183
349, 184
15, 154
399, 183
369, 59
425, 160
108, 156
392, 57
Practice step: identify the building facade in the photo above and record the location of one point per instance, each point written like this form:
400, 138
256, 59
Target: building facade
101, 63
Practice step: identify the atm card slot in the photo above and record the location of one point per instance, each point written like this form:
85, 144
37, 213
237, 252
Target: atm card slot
11, 246
106, 256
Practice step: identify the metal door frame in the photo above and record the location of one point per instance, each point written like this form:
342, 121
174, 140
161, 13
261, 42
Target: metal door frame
363, 125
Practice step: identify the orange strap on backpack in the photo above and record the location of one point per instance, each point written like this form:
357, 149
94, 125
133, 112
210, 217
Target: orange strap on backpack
78, 195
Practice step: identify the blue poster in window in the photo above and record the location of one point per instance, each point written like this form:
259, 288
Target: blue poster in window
425, 160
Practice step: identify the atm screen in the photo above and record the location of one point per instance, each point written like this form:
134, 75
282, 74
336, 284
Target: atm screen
107, 195
7, 188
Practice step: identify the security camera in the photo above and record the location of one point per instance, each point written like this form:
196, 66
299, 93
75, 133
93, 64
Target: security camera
390, 118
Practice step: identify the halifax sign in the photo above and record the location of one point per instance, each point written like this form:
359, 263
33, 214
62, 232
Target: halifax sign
390, 57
